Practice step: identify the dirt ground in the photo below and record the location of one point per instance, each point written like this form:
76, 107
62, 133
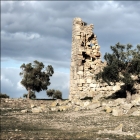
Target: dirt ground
66, 125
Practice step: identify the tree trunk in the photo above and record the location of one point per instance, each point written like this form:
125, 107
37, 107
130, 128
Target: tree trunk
28, 95
128, 96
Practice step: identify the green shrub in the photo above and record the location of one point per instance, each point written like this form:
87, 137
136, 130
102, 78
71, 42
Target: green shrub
55, 94
3, 95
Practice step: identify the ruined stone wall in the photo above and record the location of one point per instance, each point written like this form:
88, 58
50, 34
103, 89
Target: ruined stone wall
85, 57
86, 63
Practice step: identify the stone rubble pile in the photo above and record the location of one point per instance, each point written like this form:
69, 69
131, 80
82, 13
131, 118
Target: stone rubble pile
116, 107
25, 105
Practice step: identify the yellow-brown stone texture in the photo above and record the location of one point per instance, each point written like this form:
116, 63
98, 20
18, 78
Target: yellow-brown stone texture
86, 63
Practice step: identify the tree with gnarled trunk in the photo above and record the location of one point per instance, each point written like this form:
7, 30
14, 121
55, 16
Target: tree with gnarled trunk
31, 95
34, 77
123, 65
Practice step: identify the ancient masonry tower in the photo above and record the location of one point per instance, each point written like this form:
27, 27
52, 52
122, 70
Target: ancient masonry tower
85, 56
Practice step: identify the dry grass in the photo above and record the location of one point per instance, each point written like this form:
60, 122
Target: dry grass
68, 125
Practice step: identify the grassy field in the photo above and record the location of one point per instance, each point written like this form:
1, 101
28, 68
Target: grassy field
68, 125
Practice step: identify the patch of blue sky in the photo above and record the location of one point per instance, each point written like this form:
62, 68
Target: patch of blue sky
63, 70
11, 64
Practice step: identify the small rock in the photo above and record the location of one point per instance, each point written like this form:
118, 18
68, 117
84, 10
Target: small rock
24, 111
86, 103
32, 106
108, 109
116, 87
79, 103
54, 109
65, 102
119, 128
112, 104
16, 129
138, 136
136, 113
98, 96
53, 104
36, 110
63, 108
94, 105
43, 107
117, 112
136, 101
77, 109
126, 106
120, 100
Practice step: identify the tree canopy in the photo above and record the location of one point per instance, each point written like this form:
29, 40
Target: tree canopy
35, 78
55, 94
123, 65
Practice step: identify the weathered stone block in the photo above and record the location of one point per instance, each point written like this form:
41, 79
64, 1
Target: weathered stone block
89, 81
117, 112
80, 68
82, 80
80, 72
108, 109
116, 88
93, 85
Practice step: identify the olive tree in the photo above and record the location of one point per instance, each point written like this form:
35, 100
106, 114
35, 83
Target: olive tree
123, 65
35, 77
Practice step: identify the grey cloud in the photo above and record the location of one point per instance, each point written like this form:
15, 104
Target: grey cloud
113, 21
50, 48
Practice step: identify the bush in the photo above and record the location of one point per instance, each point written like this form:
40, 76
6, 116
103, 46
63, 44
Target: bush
3, 95
55, 94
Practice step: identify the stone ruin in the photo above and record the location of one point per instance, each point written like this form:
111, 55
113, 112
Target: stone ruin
85, 60
86, 63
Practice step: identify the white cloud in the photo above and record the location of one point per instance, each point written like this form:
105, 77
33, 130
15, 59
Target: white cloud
6, 81
19, 86
19, 36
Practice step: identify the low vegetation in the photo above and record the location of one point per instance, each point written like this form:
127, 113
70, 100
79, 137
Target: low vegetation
55, 94
3, 95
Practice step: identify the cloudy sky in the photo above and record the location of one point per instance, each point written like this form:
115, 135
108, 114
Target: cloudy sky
42, 30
